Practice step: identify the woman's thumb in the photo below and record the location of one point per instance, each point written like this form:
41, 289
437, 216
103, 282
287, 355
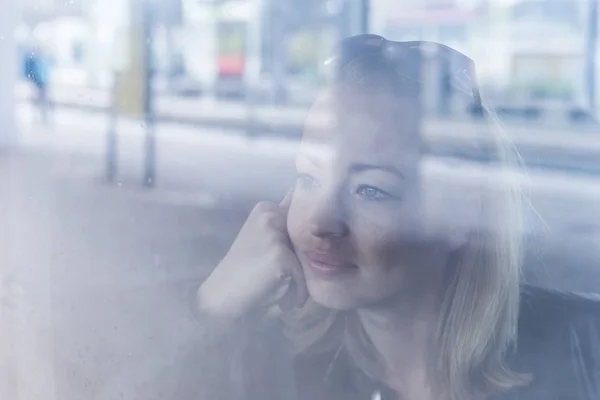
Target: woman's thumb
287, 200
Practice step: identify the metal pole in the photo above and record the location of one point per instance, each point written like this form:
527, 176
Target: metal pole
365, 15
279, 54
8, 73
356, 17
590, 54
112, 143
444, 86
150, 145
343, 19
252, 66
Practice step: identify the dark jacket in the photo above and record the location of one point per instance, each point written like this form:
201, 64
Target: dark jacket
558, 344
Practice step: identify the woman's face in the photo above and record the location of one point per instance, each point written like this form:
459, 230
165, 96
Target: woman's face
356, 216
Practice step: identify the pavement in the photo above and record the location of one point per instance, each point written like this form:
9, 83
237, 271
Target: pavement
95, 291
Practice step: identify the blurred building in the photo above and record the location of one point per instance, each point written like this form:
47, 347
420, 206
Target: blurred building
456, 23
462, 25
530, 49
524, 48
257, 43
548, 55
38, 11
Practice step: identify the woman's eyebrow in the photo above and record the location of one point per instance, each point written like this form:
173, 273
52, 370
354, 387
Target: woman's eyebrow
359, 167
314, 153
305, 158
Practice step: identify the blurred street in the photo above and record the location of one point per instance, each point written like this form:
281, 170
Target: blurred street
555, 143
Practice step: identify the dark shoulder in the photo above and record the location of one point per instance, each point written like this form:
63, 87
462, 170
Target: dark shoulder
551, 312
543, 301
559, 343
331, 375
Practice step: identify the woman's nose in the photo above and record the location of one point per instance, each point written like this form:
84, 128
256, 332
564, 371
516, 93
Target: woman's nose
328, 219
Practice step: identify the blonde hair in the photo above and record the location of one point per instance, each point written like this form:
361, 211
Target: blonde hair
480, 307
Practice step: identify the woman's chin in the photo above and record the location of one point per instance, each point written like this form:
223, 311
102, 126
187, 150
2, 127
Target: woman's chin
334, 298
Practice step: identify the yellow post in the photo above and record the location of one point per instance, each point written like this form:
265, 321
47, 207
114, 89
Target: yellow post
130, 82
132, 86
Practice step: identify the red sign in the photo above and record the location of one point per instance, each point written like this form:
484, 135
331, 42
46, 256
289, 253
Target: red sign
231, 65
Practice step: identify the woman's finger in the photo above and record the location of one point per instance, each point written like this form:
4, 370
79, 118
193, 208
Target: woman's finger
287, 302
297, 293
284, 205
301, 290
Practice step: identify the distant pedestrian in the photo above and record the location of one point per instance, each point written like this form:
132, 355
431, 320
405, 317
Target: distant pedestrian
37, 71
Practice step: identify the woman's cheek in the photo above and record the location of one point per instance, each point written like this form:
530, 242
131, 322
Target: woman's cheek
376, 241
387, 236
294, 224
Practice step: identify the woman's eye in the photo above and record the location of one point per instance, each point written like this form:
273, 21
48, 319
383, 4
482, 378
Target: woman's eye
372, 193
306, 181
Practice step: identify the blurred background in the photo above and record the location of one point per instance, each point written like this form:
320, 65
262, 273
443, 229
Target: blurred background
136, 135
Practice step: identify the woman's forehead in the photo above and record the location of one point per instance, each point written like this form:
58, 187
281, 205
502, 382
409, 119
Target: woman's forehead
371, 119
346, 96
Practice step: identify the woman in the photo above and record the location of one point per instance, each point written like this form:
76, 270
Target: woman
380, 296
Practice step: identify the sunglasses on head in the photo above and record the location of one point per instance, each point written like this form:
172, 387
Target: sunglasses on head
460, 69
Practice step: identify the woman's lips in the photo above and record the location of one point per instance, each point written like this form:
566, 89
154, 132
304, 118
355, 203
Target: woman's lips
326, 264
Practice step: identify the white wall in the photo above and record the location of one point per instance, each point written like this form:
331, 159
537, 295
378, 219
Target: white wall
199, 42
9, 68
26, 356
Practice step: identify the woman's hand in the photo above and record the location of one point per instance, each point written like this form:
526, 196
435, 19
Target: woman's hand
260, 268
